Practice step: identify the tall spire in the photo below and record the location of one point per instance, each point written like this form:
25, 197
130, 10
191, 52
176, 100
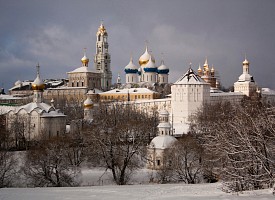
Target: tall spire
38, 70
38, 86
162, 59
206, 62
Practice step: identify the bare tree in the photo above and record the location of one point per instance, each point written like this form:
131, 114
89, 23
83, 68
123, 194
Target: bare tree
242, 139
19, 130
118, 137
183, 162
46, 165
7, 168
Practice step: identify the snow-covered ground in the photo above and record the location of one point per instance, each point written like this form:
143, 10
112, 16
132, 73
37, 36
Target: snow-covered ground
96, 184
131, 192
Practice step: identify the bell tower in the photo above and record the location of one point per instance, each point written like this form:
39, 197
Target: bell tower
102, 58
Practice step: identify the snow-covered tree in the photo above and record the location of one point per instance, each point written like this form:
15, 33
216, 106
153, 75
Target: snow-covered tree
118, 138
241, 138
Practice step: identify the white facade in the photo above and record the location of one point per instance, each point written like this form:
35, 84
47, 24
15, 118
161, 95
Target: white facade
102, 59
160, 143
246, 83
37, 119
189, 93
131, 71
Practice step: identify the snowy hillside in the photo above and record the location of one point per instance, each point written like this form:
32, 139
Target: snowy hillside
131, 192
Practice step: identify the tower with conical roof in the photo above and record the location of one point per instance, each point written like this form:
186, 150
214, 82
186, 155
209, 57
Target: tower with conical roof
189, 93
38, 86
102, 59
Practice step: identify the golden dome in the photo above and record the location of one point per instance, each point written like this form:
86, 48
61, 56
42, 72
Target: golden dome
88, 103
199, 70
101, 30
84, 59
245, 62
38, 84
212, 69
145, 57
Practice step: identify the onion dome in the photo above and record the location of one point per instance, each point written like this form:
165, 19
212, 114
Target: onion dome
150, 66
18, 83
199, 70
163, 69
212, 69
205, 63
144, 58
88, 103
163, 142
245, 62
101, 30
84, 59
38, 84
139, 71
131, 68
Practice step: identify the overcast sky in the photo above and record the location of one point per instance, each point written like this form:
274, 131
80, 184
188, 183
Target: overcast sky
54, 33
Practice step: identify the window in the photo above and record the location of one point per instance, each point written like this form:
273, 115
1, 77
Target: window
158, 162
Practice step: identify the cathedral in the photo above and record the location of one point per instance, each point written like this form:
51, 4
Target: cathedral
148, 72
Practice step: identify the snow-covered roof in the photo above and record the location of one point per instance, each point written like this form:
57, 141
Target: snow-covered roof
180, 128
245, 77
163, 142
227, 94
53, 113
40, 107
267, 91
131, 65
130, 91
164, 125
6, 109
163, 112
8, 97
94, 91
66, 88
82, 69
190, 77
23, 83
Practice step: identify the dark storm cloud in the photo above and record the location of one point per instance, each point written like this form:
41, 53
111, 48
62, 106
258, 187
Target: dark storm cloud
54, 33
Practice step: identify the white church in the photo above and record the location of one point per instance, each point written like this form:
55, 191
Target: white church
35, 119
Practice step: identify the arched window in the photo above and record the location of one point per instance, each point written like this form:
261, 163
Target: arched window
98, 37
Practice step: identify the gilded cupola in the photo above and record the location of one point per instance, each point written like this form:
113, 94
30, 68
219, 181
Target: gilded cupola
144, 58
38, 84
